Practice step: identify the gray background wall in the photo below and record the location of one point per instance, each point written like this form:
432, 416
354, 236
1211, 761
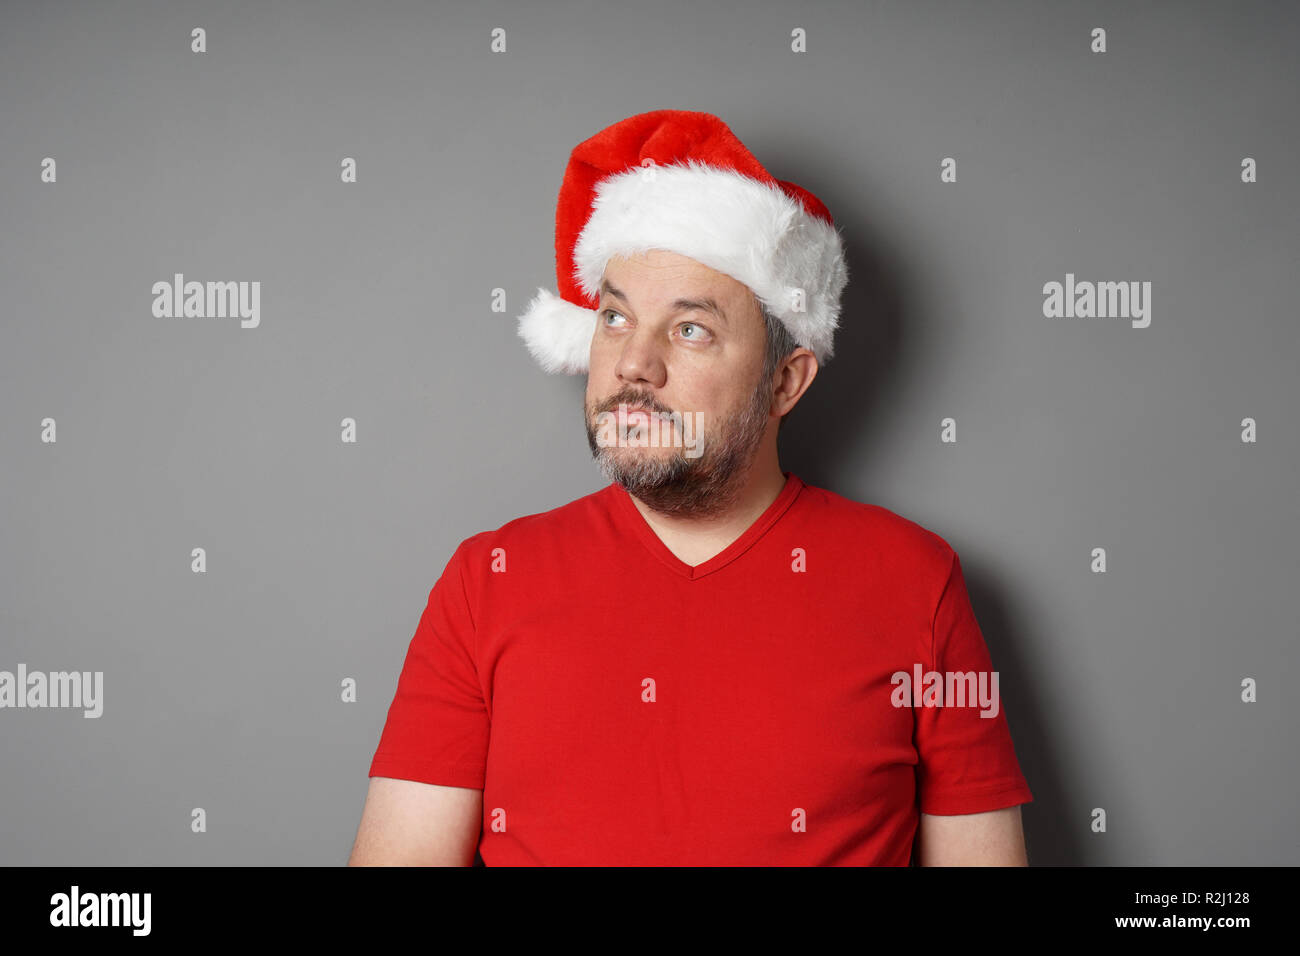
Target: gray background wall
222, 689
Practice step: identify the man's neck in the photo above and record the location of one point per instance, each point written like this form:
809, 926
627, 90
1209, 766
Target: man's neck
695, 540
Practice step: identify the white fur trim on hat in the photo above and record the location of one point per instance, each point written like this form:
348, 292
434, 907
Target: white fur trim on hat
750, 230
558, 333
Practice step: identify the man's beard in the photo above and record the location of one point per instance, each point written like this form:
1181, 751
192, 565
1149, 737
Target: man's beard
672, 483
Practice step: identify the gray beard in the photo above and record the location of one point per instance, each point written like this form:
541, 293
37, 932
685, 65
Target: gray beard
674, 484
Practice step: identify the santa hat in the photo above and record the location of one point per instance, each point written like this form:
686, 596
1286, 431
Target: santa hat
681, 181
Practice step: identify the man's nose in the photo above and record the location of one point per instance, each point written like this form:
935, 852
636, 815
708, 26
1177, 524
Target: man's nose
642, 359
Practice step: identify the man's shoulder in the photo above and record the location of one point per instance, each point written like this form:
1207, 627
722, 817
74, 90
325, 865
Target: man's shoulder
878, 526
568, 521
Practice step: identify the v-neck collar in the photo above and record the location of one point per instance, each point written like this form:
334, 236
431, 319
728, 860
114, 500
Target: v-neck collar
631, 519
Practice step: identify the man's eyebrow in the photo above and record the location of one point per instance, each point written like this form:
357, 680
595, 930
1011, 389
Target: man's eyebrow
704, 303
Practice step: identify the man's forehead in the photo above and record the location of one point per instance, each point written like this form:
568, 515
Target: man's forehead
696, 286
654, 256
705, 303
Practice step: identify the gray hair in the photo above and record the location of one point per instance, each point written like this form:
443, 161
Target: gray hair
780, 343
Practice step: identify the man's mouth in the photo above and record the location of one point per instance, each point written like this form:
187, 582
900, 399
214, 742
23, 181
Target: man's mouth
632, 413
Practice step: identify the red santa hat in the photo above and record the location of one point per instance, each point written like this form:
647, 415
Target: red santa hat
681, 181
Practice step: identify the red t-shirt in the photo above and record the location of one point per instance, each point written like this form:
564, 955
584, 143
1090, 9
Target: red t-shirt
618, 706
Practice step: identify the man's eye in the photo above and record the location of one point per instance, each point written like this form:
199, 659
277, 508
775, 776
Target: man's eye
702, 331
608, 313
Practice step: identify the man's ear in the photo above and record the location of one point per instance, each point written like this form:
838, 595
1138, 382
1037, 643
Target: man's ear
793, 378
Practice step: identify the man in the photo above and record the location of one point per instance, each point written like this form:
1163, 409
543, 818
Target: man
708, 661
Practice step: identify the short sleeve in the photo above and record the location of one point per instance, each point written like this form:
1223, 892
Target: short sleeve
967, 762
437, 726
